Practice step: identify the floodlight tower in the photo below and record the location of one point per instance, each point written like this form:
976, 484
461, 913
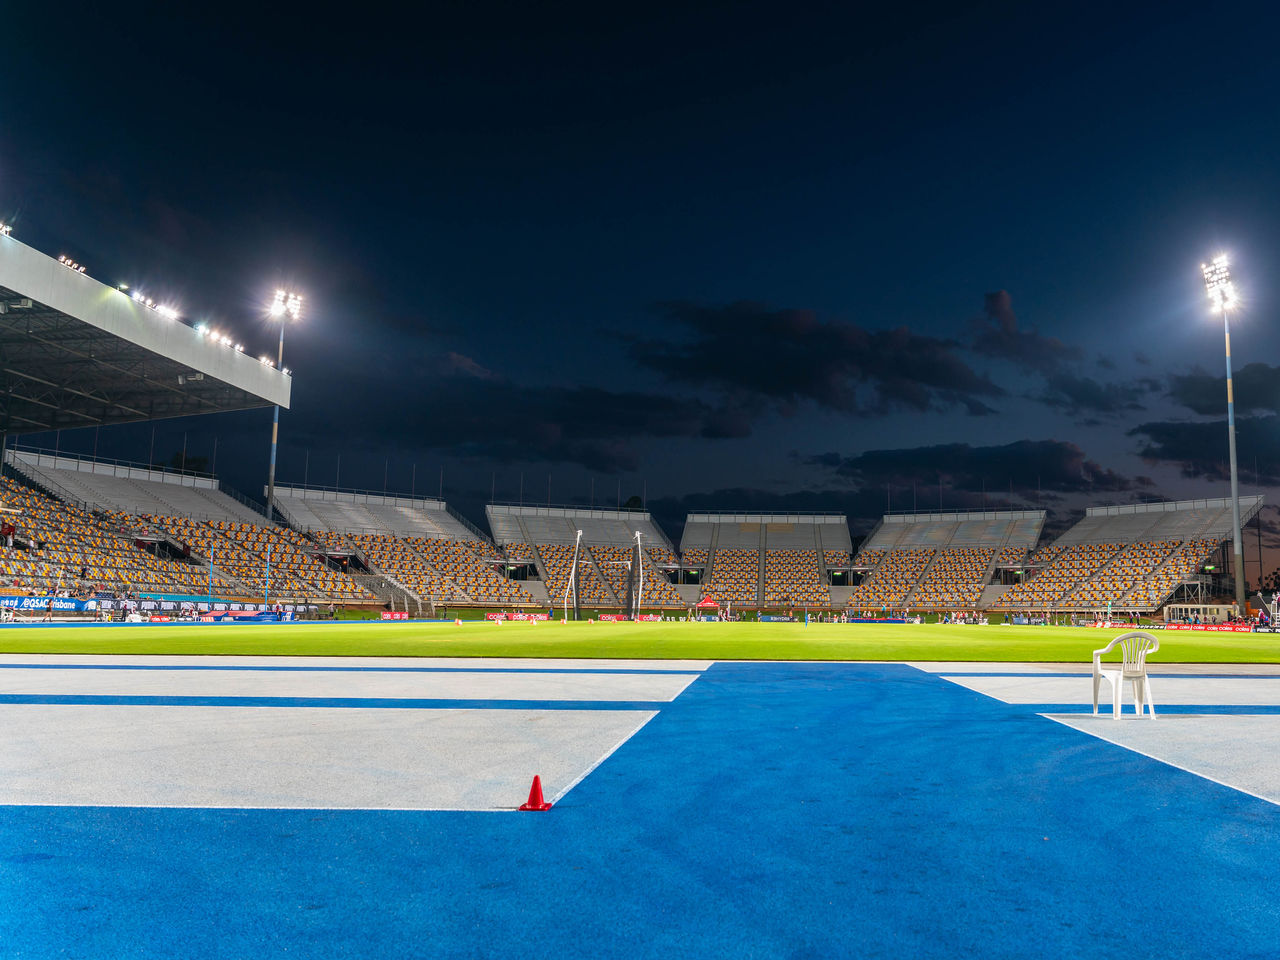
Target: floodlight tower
1223, 299
284, 307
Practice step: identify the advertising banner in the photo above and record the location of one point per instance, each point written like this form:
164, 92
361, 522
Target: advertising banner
1213, 627
42, 603
395, 615
516, 616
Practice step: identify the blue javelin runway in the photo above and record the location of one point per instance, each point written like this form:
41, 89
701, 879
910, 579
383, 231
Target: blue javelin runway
772, 810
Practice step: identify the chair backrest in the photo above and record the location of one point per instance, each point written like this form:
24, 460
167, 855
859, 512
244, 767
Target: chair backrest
1134, 648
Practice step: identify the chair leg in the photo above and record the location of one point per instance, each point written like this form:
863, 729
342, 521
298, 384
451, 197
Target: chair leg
1096, 680
1146, 695
1117, 688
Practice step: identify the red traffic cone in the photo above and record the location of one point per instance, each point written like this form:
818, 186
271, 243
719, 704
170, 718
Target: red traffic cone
535, 801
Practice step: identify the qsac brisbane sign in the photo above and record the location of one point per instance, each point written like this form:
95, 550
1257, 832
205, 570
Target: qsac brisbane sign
42, 603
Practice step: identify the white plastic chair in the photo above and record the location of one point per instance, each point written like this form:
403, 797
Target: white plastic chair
1134, 648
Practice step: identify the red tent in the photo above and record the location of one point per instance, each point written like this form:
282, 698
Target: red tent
708, 603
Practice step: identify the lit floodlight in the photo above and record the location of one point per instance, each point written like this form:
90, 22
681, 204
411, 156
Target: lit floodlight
5, 229
286, 304
1218, 285
169, 313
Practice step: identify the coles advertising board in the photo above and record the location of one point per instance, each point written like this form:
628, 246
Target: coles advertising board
1215, 627
516, 616
395, 615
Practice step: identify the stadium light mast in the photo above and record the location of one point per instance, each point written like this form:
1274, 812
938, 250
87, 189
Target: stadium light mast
284, 307
1223, 299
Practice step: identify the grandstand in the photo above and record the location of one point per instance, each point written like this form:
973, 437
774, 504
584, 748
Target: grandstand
222, 542
60, 546
757, 560
133, 489
1128, 557
940, 561
546, 536
345, 511
421, 545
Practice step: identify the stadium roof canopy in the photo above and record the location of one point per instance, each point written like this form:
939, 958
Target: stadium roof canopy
77, 353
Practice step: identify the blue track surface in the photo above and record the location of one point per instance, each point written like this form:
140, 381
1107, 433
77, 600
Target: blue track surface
773, 810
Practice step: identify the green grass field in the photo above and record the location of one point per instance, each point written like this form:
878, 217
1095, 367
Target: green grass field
668, 641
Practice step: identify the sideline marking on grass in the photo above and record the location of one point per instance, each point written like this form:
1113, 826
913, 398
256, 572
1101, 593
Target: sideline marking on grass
388, 703
641, 671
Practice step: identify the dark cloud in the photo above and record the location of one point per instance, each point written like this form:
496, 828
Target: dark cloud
1256, 387
1029, 465
1084, 396
997, 335
1199, 448
756, 353
464, 364
465, 410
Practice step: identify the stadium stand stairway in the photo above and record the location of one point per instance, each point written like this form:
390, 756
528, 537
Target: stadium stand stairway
387, 589
924, 575
604, 581
760, 572
990, 594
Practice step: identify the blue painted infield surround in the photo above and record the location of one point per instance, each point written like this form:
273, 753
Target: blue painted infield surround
772, 810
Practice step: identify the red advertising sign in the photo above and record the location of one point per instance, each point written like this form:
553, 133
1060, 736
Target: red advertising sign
395, 614
516, 616
1215, 627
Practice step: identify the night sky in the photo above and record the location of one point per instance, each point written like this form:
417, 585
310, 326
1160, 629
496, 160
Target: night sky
721, 256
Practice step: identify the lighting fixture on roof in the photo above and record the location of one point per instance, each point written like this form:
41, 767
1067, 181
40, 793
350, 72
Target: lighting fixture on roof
167, 312
1218, 285
6, 229
68, 262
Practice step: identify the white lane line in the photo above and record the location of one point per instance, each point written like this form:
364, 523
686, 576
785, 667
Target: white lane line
603, 757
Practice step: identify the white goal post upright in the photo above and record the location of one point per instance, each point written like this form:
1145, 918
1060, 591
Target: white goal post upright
640, 579
572, 584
